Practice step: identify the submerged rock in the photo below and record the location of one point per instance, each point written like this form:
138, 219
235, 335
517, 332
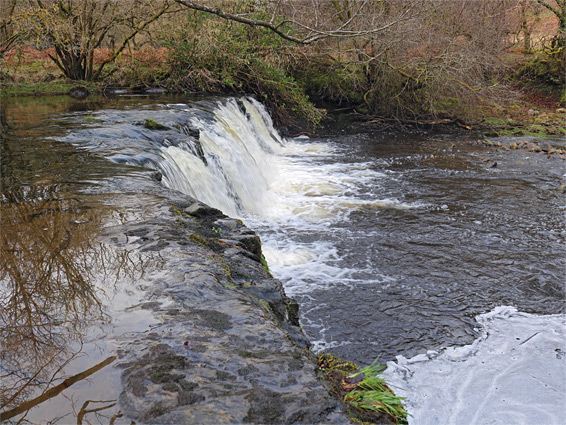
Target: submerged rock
79, 92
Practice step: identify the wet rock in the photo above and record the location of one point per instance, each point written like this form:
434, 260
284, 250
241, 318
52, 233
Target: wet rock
229, 223
79, 92
226, 345
200, 210
266, 408
215, 319
533, 147
250, 243
513, 146
151, 124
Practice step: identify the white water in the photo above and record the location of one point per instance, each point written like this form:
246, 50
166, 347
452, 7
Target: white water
299, 187
515, 373
254, 174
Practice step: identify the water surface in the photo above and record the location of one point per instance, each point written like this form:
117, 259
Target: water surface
392, 243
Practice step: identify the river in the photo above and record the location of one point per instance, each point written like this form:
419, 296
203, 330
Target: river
391, 242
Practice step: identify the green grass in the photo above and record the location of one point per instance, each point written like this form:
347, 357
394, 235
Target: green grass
373, 394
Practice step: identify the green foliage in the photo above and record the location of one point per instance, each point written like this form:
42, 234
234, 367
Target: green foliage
548, 65
151, 124
372, 393
264, 263
365, 393
333, 80
221, 56
330, 363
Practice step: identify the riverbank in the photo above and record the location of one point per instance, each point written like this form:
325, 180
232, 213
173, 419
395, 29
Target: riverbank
533, 107
179, 251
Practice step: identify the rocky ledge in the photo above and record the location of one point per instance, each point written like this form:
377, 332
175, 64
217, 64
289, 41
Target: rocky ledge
228, 347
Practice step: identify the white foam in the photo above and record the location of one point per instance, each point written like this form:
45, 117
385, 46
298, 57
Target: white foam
515, 373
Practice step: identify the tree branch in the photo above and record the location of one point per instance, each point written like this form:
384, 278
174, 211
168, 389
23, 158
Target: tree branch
127, 39
340, 32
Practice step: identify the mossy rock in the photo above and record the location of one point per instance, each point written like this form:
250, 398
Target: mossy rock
492, 133
151, 124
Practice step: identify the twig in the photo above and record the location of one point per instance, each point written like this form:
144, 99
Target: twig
55, 390
536, 333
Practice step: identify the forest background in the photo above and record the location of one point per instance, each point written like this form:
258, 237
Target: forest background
498, 63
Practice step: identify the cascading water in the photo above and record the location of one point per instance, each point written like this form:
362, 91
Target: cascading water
237, 162
391, 245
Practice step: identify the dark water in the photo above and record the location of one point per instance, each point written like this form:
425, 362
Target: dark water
482, 237
458, 238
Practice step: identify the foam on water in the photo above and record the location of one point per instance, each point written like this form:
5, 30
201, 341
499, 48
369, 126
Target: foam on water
249, 171
514, 373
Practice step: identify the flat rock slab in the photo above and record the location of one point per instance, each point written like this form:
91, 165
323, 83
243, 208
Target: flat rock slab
227, 348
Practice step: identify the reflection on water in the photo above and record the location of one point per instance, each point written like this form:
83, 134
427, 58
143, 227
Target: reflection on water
47, 296
58, 281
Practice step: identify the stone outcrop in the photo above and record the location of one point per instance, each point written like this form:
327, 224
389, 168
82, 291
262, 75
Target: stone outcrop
227, 347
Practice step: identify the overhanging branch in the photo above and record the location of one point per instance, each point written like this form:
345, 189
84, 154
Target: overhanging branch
313, 34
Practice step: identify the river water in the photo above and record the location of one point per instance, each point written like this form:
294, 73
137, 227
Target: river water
392, 243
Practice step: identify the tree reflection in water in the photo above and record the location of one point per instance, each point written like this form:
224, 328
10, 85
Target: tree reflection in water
49, 265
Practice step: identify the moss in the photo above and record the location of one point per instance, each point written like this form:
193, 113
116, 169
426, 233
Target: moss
230, 282
201, 240
347, 383
328, 362
264, 264
178, 212
154, 125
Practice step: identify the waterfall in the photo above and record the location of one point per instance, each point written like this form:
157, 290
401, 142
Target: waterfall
235, 163
388, 243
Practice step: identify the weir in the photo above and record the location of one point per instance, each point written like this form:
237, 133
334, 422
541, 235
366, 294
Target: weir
233, 163
392, 245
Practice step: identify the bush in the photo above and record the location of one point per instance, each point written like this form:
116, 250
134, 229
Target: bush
222, 56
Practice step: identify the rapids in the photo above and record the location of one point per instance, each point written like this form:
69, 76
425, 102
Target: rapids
391, 243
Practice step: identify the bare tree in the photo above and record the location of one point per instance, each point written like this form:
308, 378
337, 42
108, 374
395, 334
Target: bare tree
301, 21
75, 28
8, 33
